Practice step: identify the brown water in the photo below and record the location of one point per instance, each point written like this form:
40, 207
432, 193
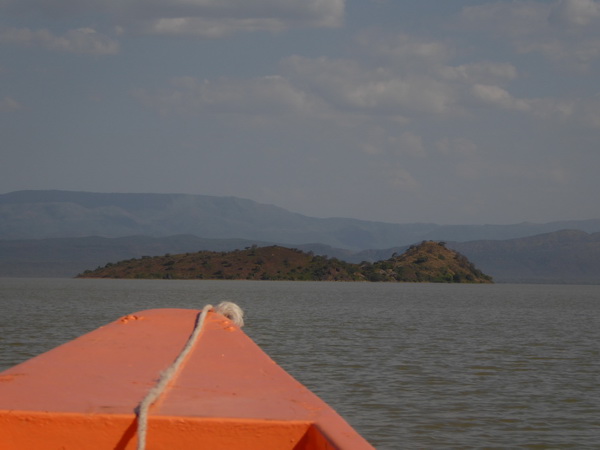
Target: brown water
408, 365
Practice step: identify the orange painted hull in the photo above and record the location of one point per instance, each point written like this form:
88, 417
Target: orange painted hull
228, 394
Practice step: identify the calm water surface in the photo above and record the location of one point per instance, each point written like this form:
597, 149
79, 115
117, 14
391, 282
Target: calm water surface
408, 365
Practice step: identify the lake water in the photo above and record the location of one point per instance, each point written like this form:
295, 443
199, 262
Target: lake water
408, 365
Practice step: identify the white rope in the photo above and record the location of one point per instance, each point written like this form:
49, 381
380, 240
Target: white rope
232, 311
229, 310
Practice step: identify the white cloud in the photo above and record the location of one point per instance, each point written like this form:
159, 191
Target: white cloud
409, 143
580, 54
8, 104
577, 13
351, 91
306, 12
565, 31
82, 40
328, 86
269, 95
208, 28
318, 85
203, 18
498, 97
382, 141
507, 19
480, 72
453, 147
584, 112
404, 51
400, 178
411, 56
347, 85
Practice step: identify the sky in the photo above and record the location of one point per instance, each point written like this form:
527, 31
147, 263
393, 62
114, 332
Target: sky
451, 112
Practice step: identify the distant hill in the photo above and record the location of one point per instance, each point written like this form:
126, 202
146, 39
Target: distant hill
426, 262
560, 257
58, 214
61, 233
66, 214
567, 256
66, 257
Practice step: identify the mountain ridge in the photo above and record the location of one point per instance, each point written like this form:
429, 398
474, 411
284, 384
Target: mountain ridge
61, 233
568, 256
572, 255
58, 214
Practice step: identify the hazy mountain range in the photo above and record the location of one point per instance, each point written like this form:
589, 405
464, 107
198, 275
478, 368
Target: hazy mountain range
61, 233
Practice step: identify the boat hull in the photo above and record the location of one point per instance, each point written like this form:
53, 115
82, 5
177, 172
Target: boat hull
228, 394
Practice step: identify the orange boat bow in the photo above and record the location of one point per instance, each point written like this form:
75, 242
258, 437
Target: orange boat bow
228, 395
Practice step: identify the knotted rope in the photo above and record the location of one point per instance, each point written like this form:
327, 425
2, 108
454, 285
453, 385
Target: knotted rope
229, 310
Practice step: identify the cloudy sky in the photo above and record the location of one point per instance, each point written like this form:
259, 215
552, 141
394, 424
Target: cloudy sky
453, 111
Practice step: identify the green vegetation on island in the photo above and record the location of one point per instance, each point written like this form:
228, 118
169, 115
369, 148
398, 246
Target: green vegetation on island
427, 262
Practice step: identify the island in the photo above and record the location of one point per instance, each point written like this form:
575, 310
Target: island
428, 261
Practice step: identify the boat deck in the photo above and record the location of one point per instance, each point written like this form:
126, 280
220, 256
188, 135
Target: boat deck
227, 395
